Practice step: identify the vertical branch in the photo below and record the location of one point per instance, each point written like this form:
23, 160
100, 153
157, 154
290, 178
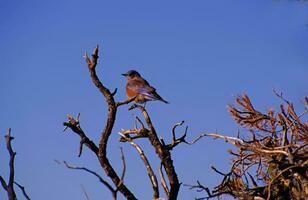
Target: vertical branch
163, 153
10, 185
146, 162
123, 164
112, 110
162, 179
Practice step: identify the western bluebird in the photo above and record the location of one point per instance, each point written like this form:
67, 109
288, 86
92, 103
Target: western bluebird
138, 87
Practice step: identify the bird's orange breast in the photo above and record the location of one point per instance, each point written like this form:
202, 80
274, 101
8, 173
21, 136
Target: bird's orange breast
130, 93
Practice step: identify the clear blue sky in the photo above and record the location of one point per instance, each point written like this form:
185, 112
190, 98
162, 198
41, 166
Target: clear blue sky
198, 54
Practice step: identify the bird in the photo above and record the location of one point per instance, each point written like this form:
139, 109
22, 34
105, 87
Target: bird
138, 87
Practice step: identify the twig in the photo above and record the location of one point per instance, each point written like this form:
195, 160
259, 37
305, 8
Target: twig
3, 183
113, 191
217, 171
280, 96
120, 103
140, 122
173, 130
197, 139
231, 140
175, 141
74, 125
22, 188
199, 187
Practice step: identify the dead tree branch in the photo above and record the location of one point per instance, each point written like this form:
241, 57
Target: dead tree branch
163, 180
10, 184
3, 183
147, 164
101, 151
104, 182
276, 153
23, 190
163, 153
74, 125
175, 141
123, 164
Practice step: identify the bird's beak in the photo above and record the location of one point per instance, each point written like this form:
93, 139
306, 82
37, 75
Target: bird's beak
124, 74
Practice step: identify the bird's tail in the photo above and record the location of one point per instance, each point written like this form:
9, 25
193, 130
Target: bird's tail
163, 101
158, 97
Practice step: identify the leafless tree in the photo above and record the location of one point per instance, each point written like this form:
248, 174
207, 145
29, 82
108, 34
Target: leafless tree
171, 185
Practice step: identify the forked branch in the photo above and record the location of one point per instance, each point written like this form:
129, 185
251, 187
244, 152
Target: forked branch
101, 150
147, 164
9, 185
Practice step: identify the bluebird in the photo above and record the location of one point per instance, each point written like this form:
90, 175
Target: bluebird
138, 87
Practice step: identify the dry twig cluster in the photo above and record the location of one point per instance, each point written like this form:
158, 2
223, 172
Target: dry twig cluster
273, 162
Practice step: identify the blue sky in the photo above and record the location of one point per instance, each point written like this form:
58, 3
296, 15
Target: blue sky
199, 55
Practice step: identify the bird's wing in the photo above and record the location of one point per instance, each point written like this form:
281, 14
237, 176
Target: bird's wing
140, 86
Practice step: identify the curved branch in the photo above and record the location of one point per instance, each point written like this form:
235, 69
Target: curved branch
146, 162
112, 110
74, 125
163, 153
113, 191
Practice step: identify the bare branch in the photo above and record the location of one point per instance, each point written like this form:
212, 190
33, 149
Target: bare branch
114, 92
110, 188
175, 141
163, 153
150, 171
10, 185
125, 102
197, 139
173, 130
123, 164
112, 110
22, 188
139, 133
279, 94
200, 188
163, 180
3, 183
140, 122
231, 140
74, 125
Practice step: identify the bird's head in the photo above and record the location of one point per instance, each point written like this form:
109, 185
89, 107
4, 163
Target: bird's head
131, 74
